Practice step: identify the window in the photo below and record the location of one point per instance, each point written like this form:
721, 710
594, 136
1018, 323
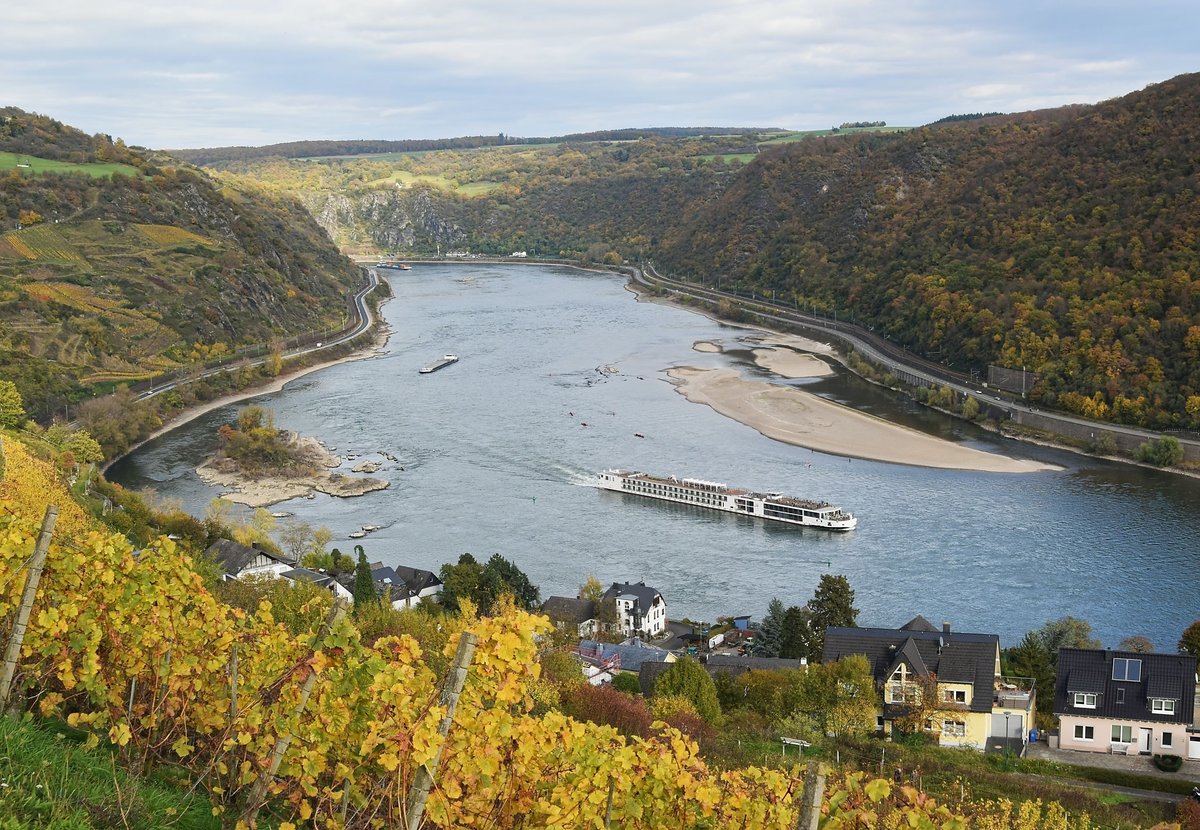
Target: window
1161, 706
1126, 669
1085, 700
954, 695
1120, 695
1122, 734
1085, 733
1168, 739
954, 728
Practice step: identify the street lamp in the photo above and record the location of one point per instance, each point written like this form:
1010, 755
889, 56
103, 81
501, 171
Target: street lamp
1007, 738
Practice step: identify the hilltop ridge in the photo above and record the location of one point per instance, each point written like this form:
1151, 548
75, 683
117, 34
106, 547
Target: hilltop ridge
118, 264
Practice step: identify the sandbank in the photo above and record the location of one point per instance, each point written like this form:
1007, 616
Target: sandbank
797, 417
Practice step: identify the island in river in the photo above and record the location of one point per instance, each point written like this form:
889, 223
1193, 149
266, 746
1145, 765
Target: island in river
263, 465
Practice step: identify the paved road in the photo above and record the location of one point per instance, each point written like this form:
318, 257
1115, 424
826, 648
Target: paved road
365, 321
889, 355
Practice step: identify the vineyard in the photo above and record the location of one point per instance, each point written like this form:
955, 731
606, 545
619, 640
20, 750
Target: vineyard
43, 243
166, 235
323, 730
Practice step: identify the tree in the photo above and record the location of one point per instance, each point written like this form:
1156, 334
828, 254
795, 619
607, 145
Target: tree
460, 581
296, 538
796, 640
1032, 658
364, 583
768, 639
832, 604
1137, 643
84, 447
1067, 632
688, 679
513, 580
12, 407
1189, 643
840, 698
626, 682
592, 589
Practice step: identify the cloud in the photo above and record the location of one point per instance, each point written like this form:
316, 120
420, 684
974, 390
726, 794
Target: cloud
253, 71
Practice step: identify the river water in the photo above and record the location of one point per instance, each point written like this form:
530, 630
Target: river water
494, 454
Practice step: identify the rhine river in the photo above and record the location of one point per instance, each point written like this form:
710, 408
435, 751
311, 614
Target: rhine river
494, 454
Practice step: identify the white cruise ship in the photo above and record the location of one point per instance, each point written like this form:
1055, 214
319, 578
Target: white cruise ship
772, 506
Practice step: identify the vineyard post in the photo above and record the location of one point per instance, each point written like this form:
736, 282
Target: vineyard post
608, 806
259, 794
813, 794
423, 778
233, 681
13, 653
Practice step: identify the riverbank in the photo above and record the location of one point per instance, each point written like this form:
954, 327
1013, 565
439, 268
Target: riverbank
378, 343
793, 416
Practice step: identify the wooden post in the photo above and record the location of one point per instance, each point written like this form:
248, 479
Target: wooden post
233, 681
608, 805
12, 654
811, 798
423, 778
259, 794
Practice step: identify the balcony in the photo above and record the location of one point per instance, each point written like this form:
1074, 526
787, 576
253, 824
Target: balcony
1014, 693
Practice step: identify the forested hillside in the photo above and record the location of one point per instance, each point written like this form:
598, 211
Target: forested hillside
1062, 241
118, 264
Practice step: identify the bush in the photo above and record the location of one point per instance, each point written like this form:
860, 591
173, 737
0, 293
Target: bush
1162, 452
627, 683
1168, 763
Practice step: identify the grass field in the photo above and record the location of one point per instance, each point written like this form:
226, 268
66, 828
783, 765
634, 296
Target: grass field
784, 138
47, 779
743, 158
33, 164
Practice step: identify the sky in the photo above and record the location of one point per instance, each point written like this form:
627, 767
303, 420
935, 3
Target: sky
249, 72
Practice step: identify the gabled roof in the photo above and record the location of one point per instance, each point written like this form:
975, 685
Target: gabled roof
1162, 676
416, 579
233, 557
918, 623
953, 656
645, 595
305, 575
568, 609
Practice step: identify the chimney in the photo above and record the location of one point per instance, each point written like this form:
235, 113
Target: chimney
945, 627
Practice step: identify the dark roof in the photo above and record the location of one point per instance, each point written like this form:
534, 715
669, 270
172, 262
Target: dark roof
632, 654
954, 657
648, 673
1164, 676
735, 664
233, 556
416, 579
644, 594
918, 623
567, 609
305, 575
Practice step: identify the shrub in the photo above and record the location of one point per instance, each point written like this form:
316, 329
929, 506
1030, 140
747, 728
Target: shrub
1168, 763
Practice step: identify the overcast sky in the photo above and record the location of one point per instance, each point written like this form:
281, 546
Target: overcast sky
217, 72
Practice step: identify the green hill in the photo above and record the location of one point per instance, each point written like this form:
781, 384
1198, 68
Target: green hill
1062, 241
118, 264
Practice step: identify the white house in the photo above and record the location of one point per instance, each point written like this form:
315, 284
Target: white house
238, 560
641, 610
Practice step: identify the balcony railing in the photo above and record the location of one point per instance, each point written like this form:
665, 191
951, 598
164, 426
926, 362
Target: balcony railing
1013, 692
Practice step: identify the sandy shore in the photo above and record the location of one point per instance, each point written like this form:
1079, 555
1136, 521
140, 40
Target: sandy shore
793, 416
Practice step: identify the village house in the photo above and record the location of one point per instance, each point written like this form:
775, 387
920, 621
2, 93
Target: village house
973, 706
237, 560
1127, 702
569, 612
641, 611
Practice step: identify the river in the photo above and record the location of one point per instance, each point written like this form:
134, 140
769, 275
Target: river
561, 370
